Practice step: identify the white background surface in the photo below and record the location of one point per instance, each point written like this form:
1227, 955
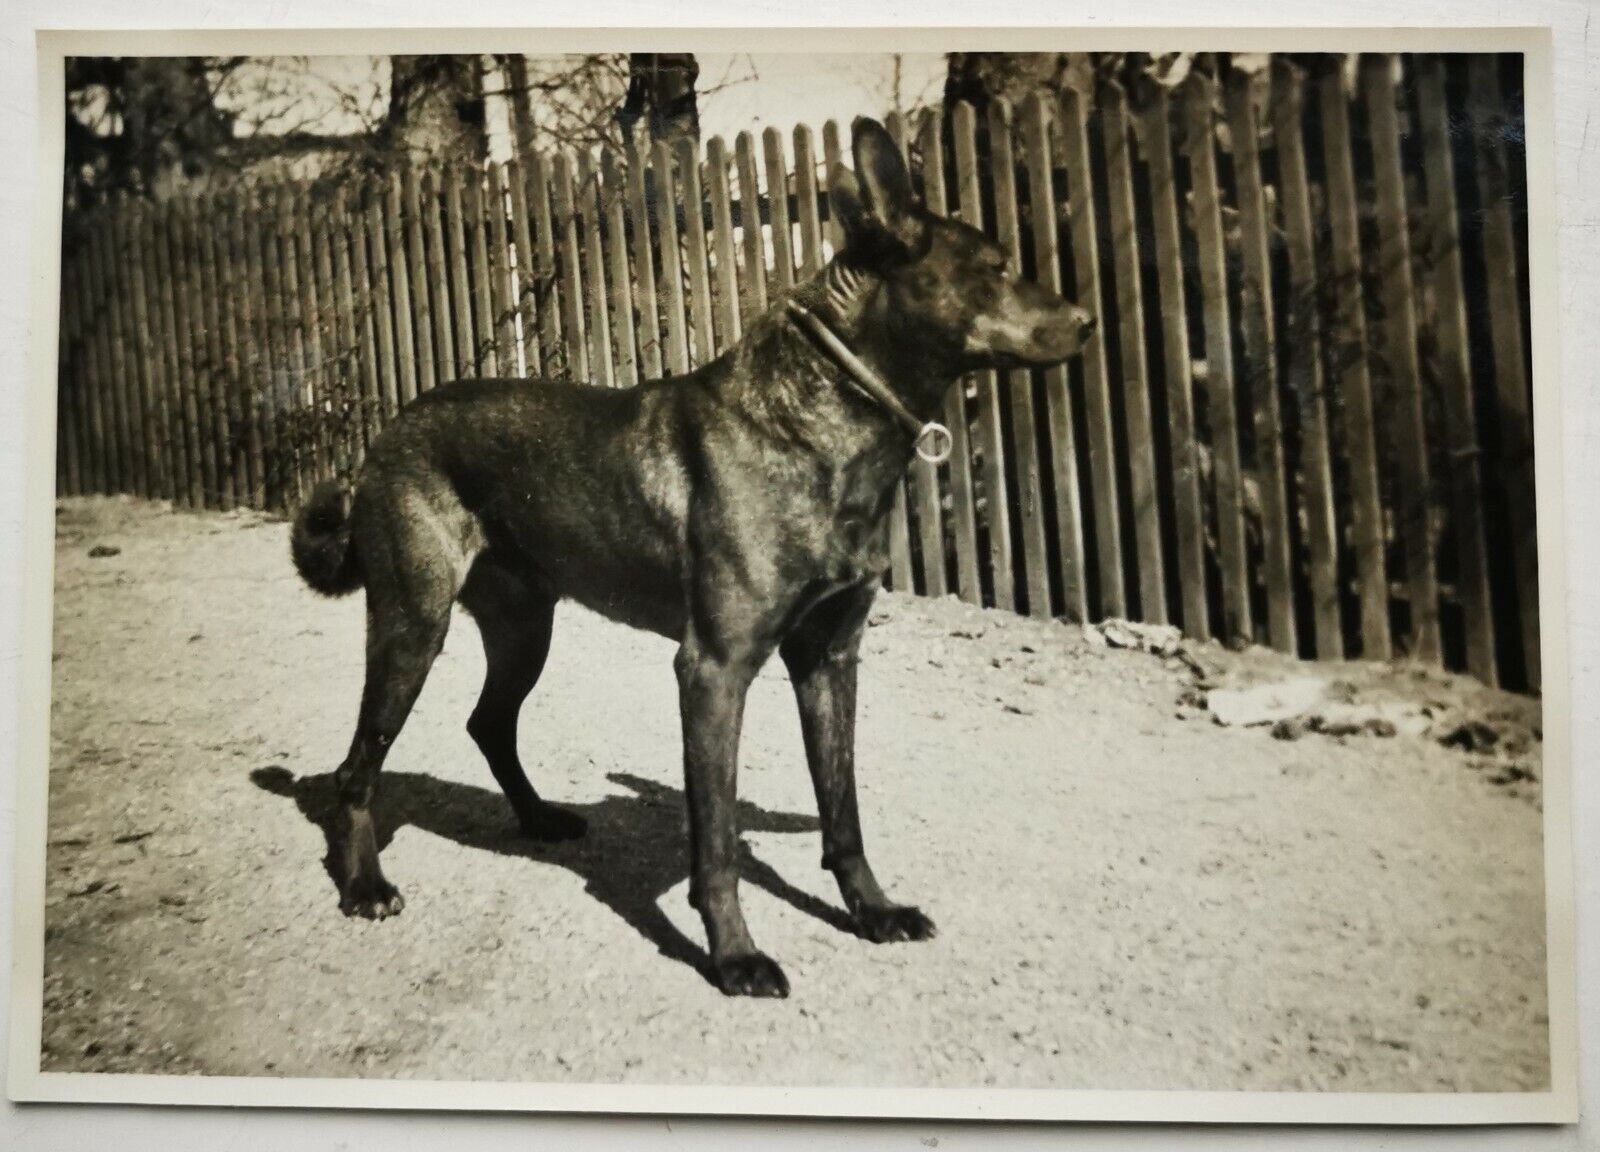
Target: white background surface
1578, 256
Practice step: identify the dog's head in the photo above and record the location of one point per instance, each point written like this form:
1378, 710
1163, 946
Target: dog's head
947, 285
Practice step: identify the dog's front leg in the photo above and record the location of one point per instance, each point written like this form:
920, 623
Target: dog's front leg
711, 692
822, 654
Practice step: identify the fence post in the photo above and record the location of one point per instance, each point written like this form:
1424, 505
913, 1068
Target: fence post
1221, 410
193, 475
312, 383
1096, 388
727, 278
1261, 361
696, 251
70, 442
1177, 367
900, 572
261, 277
1413, 510
1126, 278
102, 264
354, 362
89, 372
456, 258
382, 309
1513, 414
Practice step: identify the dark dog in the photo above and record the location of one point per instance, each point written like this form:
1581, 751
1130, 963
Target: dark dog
737, 510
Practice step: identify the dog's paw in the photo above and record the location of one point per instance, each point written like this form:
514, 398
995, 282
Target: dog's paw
548, 822
372, 899
892, 923
753, 974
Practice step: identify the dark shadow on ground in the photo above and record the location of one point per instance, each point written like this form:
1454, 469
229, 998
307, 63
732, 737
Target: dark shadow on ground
635, 850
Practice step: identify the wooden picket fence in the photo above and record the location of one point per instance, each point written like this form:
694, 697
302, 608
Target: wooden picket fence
1304, 420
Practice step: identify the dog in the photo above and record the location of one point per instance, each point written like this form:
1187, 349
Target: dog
738, 510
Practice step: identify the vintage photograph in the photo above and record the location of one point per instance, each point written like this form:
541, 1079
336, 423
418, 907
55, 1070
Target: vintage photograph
939, 570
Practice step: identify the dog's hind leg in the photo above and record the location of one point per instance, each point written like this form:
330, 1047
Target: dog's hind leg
415, 552
821, 654
514, 621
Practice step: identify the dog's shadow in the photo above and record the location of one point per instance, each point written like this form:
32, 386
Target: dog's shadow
635, 849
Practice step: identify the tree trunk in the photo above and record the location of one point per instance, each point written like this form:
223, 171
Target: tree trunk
661, 88
436, 108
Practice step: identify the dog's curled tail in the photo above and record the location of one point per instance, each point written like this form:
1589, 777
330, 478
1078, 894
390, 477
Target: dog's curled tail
320, 542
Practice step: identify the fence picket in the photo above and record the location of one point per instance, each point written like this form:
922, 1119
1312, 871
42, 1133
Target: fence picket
1177, 366
832, 157
696, 251
778, 208
1129, 294
594, 271
902, 577
644, 269
382, 309
1221, 408
1304, 355
753, 276
485, 358
417, 276
524, 277
72, 448
94, 392
398, 222
263, 364
553, 361
724, 261
807, 207
1261, 362
101, 330
620, 278
346, 433
212, 299
1408, 433
370, 405
671, 248
1040, 137
314, 380
990, 443
436, 282
1107, 520
460, 285
502, 296
1513, 416
1451, 350
124, 394
963, 505
174, 251
1024, 438
572, 318
1348, 357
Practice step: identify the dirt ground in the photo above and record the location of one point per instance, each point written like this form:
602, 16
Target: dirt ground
1129, 895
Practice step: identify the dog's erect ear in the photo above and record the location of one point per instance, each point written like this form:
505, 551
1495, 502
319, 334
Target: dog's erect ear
844, 197
885, 183
877, 202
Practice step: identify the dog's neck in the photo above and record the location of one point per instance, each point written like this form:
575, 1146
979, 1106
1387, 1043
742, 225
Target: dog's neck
851, 300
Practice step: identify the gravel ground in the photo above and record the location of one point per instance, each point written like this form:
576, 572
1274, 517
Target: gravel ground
1128, 895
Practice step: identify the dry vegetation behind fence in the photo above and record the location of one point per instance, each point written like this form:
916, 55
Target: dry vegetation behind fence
1305, 418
